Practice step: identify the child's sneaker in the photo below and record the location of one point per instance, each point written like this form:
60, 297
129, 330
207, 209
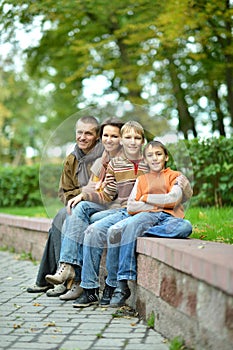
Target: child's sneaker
87, 298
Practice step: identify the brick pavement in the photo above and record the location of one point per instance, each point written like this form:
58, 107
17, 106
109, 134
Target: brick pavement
35, 321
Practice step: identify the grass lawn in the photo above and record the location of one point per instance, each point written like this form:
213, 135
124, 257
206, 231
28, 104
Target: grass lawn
31, 212
210, 224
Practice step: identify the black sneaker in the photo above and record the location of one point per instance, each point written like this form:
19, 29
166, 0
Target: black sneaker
107, 295
87, 298
119, 297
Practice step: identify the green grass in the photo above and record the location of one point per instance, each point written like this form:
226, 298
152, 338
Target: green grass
210, 224
177, 344
31, 212
151, 320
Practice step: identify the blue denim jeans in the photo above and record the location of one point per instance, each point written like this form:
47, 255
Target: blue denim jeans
73, 230
121, 257
95, 240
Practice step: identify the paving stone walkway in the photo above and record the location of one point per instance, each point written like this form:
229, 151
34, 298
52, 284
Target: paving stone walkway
35, 321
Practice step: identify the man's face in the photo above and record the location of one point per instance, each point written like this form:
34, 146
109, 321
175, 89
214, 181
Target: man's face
86, 136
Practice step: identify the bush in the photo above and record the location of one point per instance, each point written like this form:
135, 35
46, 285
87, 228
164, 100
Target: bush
19, 186
212, 168
208, 165
49, 180
24, 186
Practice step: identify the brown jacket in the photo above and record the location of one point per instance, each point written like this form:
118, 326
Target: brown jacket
69, 185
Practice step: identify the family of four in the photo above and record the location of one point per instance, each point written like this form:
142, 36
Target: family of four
130, 193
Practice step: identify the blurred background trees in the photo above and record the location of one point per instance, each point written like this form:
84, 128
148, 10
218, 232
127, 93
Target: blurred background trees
175, 58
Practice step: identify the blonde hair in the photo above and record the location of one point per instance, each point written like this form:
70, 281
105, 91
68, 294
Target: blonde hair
128, 126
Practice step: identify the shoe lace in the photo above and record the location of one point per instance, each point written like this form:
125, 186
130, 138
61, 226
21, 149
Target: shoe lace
74, 287
61, 269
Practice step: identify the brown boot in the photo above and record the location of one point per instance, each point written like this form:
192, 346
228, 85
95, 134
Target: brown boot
73, 293
57, 291
65, 273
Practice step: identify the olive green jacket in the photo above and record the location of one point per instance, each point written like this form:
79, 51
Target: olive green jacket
70, 183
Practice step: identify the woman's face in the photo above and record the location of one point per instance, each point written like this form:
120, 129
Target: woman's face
111, 139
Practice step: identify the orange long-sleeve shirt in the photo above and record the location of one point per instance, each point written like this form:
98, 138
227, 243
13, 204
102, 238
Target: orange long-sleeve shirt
157, 192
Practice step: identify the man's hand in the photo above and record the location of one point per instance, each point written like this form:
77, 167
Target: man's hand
72, 202
98, 186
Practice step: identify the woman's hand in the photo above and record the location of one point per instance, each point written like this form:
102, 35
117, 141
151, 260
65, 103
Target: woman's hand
107, 180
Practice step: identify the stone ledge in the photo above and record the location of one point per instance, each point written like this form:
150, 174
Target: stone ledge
36, 224
24, 234
186, 283
210, 262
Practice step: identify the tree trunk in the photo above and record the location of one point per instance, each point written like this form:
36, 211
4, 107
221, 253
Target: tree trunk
186, 121
219, 125
229, 68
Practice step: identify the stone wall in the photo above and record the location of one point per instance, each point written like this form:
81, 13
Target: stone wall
187, 284
24, 234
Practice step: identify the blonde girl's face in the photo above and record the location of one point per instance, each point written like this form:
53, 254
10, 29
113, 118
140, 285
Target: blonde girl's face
111, 139
132, 144
156, 158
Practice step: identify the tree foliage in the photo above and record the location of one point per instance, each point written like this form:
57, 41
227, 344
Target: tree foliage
20, 110
174, 57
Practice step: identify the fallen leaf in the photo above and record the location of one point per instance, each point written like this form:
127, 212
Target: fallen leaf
15, 326
198, 230
36, 304
203, 236
202, 215
17, 306
50, 324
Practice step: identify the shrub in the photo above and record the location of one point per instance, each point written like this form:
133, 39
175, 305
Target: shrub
19, 186
49, 180
208, 165
212, 168
213, 171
